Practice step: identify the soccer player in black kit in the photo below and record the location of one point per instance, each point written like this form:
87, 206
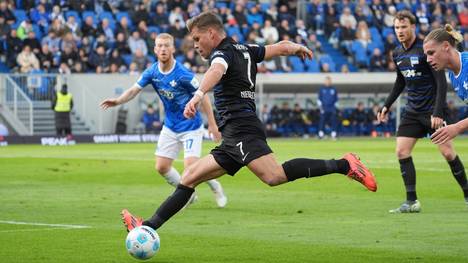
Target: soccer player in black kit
232, 75
424, 112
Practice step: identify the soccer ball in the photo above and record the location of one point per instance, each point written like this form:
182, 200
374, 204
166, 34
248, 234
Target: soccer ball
142, 242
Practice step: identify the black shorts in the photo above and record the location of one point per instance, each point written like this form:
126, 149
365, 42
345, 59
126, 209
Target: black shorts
244, 140
416, 125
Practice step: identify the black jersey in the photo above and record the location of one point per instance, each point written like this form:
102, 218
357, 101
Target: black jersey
234, 95
426, 88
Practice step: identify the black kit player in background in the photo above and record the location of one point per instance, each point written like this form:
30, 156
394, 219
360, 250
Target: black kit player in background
425, 110
232, 74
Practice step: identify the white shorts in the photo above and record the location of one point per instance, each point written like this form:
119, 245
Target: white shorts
170, 143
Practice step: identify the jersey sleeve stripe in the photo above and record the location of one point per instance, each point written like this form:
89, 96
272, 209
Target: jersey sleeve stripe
221, 61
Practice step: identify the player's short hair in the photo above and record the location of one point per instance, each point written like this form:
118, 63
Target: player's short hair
405, 14
204, 21
446, 33
165, 36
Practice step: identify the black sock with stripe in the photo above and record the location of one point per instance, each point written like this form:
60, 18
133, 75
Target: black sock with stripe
306, 168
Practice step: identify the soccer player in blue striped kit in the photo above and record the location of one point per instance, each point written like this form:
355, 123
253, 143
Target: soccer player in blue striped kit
424, 112
175, 85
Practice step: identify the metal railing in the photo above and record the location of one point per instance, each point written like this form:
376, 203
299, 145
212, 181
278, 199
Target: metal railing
38, 87
19, 106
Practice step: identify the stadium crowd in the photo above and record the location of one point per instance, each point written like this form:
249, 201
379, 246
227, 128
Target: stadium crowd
117, 36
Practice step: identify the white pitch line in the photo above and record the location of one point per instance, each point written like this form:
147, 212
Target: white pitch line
43, 224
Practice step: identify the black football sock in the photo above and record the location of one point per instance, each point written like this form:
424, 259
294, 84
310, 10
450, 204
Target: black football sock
170, 207
409, 178
458, 171
302, 167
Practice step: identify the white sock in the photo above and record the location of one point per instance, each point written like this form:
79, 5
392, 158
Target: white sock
214, 185
172, 177
321, 134
333, 134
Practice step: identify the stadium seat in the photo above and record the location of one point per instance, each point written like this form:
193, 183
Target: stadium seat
37, 30
20, 15
180, 58
360, 54
127, 59
326, 59
152, 29
312, 65
264, 6
296, 64
386, 31
119, 16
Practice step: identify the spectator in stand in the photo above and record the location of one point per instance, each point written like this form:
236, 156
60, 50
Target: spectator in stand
140, 60
284, 119
450, 17
123, 27
462, 17
40, 17
178, 30
422, 16
285, 29
151, 120
240, 17
269, 33
117, 60
254, 16
78, 67
65, 70
106, 30
160, 18
301, 29
142, 28
46, 58
331, 22
299, 121
74, 27
347, 19
389, 16
140, 14
133, 69
327, 102
359, 15
135, 43
4, 30
284, 14
27, 61
313, 44
68, 41
360, 120
33, 43
24, 28
52, 41
193, 10
272, 14
121, 44
363, 34
98, 61
377, 61
347, 37
176, 16
88, 28
57, 15
14, 45
6, 12
69, 56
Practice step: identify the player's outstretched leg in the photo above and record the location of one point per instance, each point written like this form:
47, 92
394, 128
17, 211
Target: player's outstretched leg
220, 197
359, 172
130, 220
203, 170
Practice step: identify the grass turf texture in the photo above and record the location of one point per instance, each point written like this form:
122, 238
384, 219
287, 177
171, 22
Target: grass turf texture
325, 219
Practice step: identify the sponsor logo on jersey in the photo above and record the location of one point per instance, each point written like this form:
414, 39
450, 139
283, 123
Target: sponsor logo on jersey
247, 95
240, 47
167, 94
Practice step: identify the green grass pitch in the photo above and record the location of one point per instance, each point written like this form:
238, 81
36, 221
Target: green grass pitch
325, 219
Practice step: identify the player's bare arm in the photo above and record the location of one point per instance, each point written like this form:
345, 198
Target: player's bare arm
125, 97
287, 48
212, 76
212, 126
449, 132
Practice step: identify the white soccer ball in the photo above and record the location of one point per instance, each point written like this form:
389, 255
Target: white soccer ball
142, 242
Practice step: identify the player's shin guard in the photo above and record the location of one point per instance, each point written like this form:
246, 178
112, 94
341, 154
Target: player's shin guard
458, 171
302, 167
170, 207
409, 177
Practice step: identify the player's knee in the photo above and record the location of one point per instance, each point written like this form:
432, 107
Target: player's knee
162, 169
449, 155
403, 153
271, 180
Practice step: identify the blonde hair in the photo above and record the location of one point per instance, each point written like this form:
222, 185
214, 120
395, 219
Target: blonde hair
165, 36
447, 33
